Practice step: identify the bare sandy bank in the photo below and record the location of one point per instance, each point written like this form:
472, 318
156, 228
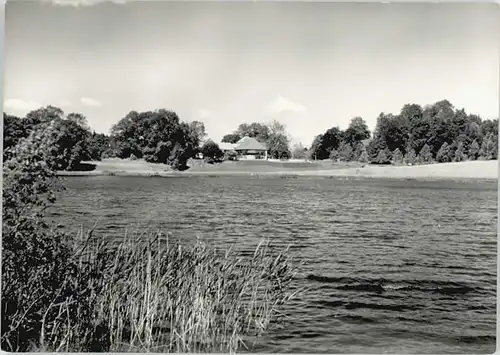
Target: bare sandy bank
462, 170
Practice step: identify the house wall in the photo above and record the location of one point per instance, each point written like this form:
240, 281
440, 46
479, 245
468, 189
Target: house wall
251, 154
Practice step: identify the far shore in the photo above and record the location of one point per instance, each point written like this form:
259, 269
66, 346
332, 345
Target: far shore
125, 167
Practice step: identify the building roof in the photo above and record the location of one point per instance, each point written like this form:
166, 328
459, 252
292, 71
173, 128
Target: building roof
226, 146
248, 143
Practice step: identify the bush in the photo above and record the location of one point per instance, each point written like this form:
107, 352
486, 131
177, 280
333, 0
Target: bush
345, 152
460, 153
231, 155
383, 157
397, 157
425, 155
34, 258
334, 155
444, 154
410, 157
474, 150
211, 152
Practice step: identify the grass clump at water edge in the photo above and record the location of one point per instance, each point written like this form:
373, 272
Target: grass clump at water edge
149, 294
170, 298
146, 293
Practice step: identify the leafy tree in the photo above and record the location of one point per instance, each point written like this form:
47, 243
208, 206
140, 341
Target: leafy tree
127, 137
99, 146
356, 132
331, 139
231, 138
363, 155
382, 157
489, 147
323, 144
277, 141
299, 152
345, 152
460, 153
14, 130
255, 130
158, 137
358, 148
425, 155
410, 157
43, 115
487, 127
418, 126
278, 146
473, 133
334, 155
317, 152
69, 136
397, 156
70, 145
211, 152
197, 133
444, 154
276, 127
377, 144
391, 131
79, 119
34, 258
474, 150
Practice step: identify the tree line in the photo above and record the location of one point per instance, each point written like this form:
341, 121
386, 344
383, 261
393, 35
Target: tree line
156, 136
416, 135
422, 135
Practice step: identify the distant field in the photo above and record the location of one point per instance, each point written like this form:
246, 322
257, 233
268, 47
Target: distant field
465, 170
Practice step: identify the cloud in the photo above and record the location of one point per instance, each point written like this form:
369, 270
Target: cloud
204, 113
18, 105
282, 104
77, 3
88, 101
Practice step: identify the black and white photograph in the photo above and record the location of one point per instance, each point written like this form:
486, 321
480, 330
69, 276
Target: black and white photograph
250, 177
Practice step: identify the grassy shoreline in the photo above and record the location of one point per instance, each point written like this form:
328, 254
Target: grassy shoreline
487, 170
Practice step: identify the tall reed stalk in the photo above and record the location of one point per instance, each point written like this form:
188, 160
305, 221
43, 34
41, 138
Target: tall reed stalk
151, 294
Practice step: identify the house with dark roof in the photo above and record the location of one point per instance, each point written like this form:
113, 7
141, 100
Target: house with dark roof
250, 148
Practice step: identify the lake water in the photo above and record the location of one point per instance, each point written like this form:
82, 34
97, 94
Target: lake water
391, 266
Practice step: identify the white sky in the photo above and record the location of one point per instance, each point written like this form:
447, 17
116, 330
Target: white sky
310, 65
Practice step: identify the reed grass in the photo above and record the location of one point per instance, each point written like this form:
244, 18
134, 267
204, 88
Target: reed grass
150, 294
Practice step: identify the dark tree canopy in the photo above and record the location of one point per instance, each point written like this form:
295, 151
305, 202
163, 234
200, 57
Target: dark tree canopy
440, 128
299, 151
212, 152
231, 138
324, 143
255, 130
14, 129
157, 136
69, 138
197, 133
356, 132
